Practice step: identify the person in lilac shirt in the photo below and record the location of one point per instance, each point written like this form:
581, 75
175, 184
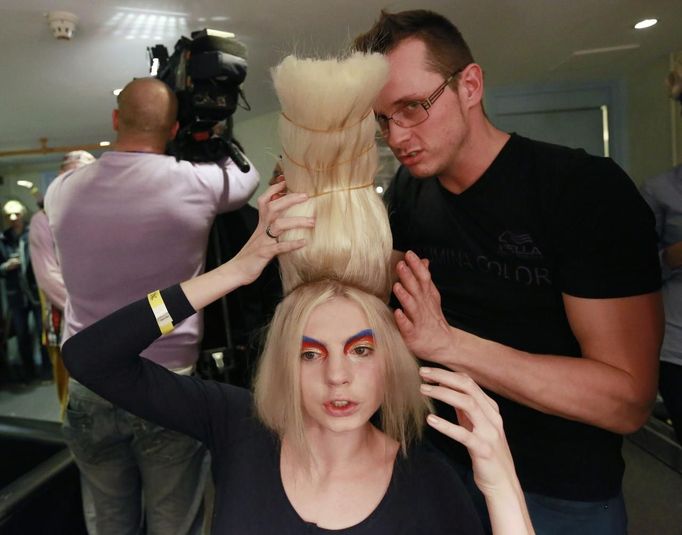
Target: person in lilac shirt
50, 281
129, 223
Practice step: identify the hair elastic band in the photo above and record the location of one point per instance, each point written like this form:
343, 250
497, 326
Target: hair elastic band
368, 185
163, 318
319, 131
326, 168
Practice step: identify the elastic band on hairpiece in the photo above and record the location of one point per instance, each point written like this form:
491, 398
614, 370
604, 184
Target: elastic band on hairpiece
319, 131
368, 185
326, 168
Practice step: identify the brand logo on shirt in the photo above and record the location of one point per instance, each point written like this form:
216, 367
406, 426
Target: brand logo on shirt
518, 244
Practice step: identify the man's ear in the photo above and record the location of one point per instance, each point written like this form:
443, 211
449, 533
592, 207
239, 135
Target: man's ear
471, 84
174, 131
114, 120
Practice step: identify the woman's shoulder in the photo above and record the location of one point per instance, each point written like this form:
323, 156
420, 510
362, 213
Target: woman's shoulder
432, 486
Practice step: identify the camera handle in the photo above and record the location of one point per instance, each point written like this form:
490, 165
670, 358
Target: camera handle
237, 157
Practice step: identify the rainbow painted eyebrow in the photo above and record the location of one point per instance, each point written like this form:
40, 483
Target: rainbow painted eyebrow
366, 335
311, 343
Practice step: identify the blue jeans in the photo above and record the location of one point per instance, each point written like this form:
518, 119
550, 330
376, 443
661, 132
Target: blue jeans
554, 516
133, 472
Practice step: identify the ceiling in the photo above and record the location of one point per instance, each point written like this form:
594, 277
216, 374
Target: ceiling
62, 90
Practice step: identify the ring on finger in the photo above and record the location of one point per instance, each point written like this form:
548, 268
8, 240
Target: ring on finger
270, 234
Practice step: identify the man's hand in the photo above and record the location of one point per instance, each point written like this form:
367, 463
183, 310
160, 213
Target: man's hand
421, 320
11, 264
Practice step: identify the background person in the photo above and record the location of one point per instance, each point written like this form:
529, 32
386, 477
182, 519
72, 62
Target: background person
130, 222
545, 271
663, 193
22, 292
48, 275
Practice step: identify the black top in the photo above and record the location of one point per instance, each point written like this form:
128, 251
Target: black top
541, 221
424, 496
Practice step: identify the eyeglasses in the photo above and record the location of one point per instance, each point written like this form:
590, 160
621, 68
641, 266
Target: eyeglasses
414, 112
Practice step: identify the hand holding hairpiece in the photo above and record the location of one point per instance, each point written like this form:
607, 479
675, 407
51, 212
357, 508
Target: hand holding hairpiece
271, 235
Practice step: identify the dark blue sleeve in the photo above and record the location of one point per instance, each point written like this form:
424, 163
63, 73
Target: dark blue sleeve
105, 357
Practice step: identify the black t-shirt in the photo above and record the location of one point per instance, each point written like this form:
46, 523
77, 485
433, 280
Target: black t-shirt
541, 221
425, 495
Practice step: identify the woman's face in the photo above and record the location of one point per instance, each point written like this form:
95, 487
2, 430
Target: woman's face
342, 374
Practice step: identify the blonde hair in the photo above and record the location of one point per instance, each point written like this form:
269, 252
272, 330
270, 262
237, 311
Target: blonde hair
327, 131
278, 387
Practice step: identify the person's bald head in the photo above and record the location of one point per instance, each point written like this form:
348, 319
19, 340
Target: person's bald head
146, 108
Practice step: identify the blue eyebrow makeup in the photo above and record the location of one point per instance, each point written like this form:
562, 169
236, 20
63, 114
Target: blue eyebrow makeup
366, 335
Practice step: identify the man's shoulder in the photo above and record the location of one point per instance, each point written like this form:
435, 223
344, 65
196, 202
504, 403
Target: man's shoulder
557, 157
558, 169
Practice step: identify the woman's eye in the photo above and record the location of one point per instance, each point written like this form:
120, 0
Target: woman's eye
309, 355
412, 106
362, 351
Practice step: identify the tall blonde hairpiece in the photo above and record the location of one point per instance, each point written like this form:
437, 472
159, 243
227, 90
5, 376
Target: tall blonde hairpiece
327, 131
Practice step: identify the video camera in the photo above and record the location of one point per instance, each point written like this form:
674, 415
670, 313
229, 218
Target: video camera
205, 73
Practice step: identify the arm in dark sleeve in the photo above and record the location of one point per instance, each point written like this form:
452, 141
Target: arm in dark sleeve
105, 358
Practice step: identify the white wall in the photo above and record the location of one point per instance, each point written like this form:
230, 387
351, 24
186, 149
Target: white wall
258, 136
650, 121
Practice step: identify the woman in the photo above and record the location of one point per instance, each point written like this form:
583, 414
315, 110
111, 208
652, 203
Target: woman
311, 460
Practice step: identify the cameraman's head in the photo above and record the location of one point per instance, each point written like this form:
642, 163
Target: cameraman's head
146, 118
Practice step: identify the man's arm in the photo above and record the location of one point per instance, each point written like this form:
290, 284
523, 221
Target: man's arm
612, 386
239, 188
44, 260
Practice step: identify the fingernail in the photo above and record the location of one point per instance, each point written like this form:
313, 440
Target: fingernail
425, 388
424, 370
433, 419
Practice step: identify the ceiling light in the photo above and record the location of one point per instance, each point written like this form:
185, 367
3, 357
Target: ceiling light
379, 189
646, 23
117, 92
104, 143
25, 184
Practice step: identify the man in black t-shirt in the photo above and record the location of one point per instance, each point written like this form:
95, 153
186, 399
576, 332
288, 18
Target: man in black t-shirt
547, 276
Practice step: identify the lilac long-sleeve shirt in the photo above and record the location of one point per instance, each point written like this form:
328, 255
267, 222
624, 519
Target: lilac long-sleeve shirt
132, 223
44, 260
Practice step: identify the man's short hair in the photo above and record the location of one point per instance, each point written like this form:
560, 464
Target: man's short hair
278, 388
147, 106
447, 50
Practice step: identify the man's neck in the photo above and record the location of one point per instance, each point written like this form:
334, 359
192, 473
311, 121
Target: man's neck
474, 157
152, 147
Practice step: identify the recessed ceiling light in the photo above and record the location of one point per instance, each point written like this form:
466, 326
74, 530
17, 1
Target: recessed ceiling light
646, 23
25, 184
104, 143
117, 92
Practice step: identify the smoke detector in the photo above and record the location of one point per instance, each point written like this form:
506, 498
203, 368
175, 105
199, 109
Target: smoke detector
63, 24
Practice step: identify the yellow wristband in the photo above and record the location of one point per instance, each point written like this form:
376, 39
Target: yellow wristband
160, 311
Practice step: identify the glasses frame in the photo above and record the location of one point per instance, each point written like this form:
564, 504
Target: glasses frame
427, 104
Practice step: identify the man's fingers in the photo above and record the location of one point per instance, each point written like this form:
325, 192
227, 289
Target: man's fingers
405, 326
419, 269
406, 299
